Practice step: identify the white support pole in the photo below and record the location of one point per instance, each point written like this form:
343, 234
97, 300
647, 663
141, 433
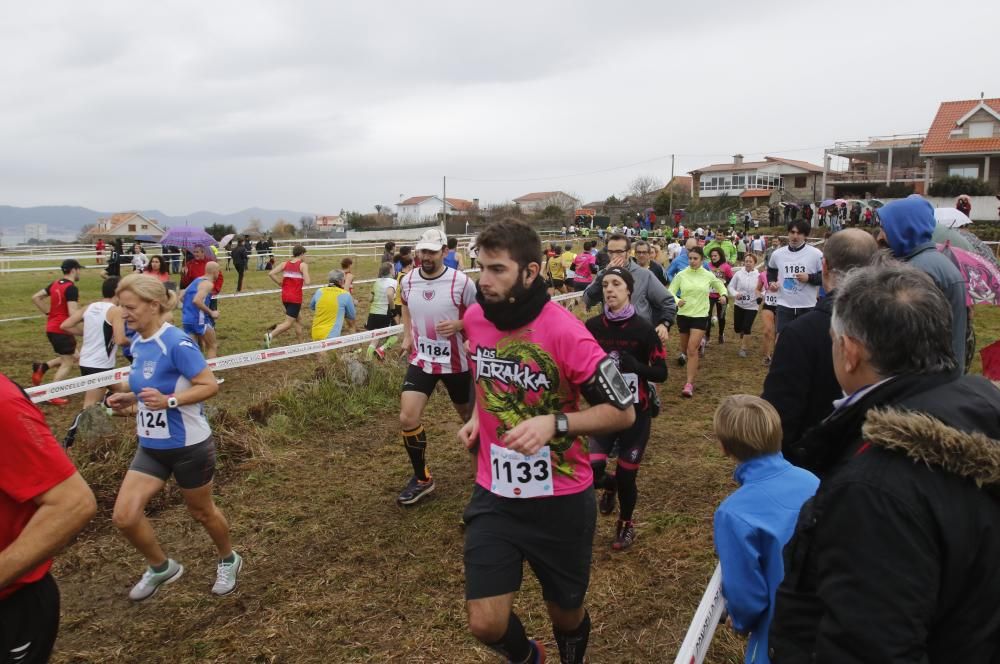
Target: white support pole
888, 170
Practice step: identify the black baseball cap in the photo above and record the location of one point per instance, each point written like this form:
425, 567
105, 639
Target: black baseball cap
70, 264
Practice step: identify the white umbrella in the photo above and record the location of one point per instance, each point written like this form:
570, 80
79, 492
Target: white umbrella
224, 242
951, 217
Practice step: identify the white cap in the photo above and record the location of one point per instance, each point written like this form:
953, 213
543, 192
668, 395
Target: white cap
432, 240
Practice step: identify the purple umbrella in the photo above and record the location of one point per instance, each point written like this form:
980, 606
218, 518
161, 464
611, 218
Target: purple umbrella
982, 279
187, 237
828, 203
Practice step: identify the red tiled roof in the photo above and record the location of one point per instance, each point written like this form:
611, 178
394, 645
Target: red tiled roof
414, 200
939, 140
460, 204
756, 193
745, 166
538, 196
804, 165
754, 165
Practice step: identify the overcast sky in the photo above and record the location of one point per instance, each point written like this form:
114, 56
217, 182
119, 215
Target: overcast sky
323, 106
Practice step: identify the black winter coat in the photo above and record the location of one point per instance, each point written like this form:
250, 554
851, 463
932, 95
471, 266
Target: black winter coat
895, 557
801, 384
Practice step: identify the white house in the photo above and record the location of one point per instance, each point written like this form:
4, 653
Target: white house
127, 224
759, 179
419, 209
539, 200
333, 223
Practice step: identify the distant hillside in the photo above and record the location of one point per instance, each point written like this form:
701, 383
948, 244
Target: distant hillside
73, 217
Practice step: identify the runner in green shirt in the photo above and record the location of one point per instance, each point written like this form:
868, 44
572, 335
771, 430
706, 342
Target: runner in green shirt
691, 287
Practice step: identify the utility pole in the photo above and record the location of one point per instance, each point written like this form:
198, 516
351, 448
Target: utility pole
671, 185
444, 203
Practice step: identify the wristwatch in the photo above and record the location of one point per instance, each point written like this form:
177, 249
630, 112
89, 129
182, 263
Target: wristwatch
172, 401
562, 424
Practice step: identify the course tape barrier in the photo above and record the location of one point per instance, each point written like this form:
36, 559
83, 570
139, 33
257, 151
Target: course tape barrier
706, 619
70, 386
268, 291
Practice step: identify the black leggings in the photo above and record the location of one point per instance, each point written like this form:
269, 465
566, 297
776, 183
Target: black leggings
715, 306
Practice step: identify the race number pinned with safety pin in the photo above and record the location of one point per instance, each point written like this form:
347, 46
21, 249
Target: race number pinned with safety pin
151, 423
434, 350
514, 475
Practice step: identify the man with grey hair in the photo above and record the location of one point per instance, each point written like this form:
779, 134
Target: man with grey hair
800, 383
894, 559
331, 306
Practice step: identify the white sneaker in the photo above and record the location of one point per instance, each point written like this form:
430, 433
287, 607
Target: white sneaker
225, 575
151, 581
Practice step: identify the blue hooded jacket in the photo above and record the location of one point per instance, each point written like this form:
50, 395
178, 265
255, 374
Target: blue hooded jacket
908, 224
752, 527
909, 228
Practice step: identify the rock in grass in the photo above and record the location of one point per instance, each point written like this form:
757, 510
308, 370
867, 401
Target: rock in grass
356, 371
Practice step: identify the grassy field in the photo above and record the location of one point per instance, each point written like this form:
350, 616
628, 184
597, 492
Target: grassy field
336, 572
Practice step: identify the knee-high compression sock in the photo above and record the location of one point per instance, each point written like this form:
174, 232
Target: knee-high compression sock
573, 645
628, 492
390, 342
415, 443
514, 644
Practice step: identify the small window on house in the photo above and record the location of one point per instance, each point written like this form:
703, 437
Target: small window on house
980, 130
131, 227
800, 182
144, 227
964, 170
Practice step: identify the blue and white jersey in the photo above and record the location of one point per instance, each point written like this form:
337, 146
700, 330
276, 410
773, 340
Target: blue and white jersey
190, 314
167, 361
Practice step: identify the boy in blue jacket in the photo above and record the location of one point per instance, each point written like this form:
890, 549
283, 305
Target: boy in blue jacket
755, 522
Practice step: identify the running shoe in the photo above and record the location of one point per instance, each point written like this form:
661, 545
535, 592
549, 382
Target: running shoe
624, 535
715, 320
58, 401
539, 652
722, 338
220, 381
606, 503
688, 390
151, 581
267, 340
414, 491
380, 353
37, 373
225, 575
682, 359
742, 352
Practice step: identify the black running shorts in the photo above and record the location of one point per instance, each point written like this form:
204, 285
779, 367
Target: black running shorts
687, 323
193, 466
87, 371
378, 321
292, 309
743, 320
555, 535
62, 344
459, 385
29, 622
631, 442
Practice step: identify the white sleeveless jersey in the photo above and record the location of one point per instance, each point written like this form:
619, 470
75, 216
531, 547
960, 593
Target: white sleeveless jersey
98, 349
429, 302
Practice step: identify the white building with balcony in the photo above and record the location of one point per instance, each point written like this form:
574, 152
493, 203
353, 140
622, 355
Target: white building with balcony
757, 182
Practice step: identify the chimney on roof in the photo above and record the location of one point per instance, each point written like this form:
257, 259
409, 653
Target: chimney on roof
475, 203
737, 160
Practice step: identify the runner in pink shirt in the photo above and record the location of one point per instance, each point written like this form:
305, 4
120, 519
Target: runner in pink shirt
534, 496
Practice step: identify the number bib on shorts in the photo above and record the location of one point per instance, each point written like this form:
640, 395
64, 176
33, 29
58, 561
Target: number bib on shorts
434, 350
152, 423
632, 380
517, 476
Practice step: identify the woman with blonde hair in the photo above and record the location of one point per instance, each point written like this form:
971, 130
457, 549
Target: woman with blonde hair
168, 382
